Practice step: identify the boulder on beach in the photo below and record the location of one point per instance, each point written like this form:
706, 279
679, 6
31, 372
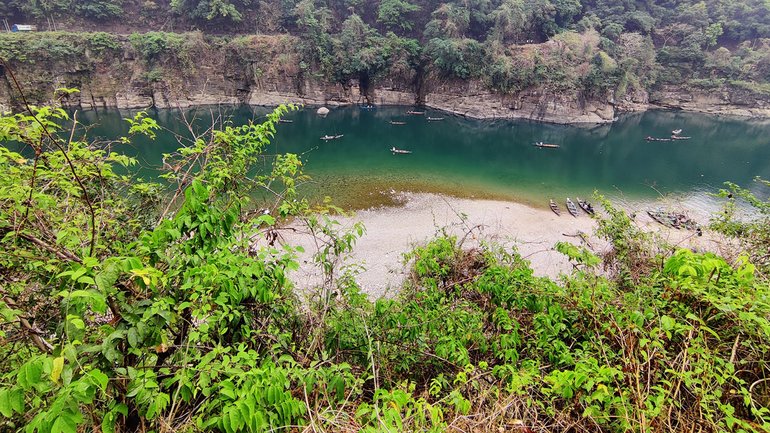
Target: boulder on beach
323, 111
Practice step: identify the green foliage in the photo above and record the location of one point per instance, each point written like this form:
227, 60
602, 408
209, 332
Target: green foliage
507, 45
456, 58
184, 317
99, 9
101, 41
753, 230
211, 10
152, 44
394, 14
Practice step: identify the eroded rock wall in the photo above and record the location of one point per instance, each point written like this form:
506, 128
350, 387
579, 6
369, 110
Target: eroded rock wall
266, 70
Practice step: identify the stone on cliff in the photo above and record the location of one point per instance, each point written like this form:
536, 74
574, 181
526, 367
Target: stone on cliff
323, 111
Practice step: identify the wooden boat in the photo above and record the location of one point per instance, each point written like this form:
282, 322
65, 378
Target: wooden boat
677, 137
541, 145
554, 207
586, 206
676, 132
400, 151
572, 208
662, 218
331, 137
415, 113
674, 220
285, 121
393, 122
435, 119
648, 138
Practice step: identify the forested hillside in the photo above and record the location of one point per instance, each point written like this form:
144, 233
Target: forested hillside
601, 44
614, 53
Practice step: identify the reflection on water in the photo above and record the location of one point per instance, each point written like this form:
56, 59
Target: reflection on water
491, 159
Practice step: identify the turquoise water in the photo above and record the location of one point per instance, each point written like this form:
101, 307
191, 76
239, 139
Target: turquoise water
485, 158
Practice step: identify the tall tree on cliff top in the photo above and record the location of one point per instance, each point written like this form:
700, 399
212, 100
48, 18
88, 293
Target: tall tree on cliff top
210, 10
396, 14
362, 53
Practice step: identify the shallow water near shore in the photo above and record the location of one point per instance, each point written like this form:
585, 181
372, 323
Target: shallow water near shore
491, 159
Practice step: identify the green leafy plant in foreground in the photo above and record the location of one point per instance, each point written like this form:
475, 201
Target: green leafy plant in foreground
181, 316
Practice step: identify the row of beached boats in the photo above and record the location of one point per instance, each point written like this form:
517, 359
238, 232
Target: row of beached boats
572, 208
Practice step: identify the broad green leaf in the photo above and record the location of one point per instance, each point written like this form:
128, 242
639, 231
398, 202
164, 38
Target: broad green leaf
58, 366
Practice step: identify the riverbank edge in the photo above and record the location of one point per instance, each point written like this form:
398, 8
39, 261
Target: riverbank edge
529, 230
482, 112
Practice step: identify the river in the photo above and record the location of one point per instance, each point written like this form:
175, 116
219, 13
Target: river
488, 158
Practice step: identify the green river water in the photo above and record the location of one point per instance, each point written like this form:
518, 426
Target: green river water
489, 158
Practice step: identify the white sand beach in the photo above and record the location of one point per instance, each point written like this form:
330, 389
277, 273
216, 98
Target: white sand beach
392, 231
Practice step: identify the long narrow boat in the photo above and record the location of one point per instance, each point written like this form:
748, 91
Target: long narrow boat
285, 121
400, 151
415, 113
541, 145
554, 207
394, 122
435, 119
331, 137
572, 208
662, 218
586, 206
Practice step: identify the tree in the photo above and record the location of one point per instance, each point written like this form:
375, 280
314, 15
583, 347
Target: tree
211, 10
448, 21
361, 50
511, 22
99, 9
396, 14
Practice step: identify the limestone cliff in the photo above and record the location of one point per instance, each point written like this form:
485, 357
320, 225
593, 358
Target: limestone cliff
267, 70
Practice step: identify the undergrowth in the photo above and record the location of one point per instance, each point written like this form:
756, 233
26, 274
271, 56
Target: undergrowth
181, 317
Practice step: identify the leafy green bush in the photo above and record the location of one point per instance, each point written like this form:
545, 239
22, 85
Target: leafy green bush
152, 44
176, 319
101, 41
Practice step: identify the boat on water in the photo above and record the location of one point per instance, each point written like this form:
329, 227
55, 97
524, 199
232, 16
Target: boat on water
399, 151
415, 113
676, 132
586, 206
572, 208
554, 207
679, 137
649, 138
394, 122
285, 121
435, 119
541, 145
367, 107
331, 137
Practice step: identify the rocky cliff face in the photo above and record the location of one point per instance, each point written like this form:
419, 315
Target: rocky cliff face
731, 101
267, 70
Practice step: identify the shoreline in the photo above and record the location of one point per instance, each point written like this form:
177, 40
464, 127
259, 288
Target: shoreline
392, 231
728, 111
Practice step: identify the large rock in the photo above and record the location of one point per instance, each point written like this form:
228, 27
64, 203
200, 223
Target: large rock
323, 111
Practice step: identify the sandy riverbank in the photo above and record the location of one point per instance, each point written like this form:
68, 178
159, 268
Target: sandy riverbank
392, 231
